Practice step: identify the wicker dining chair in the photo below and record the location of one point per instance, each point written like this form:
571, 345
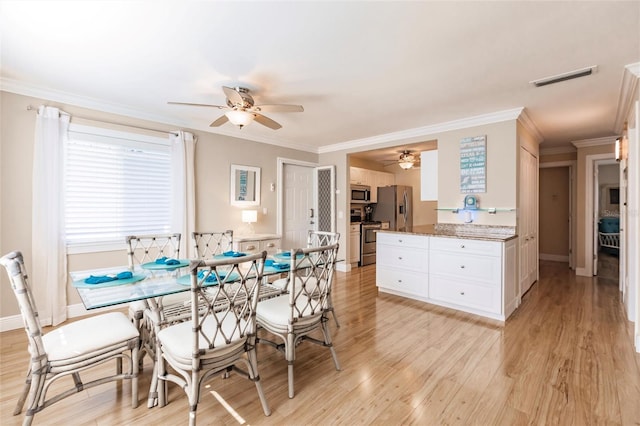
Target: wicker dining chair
325, 238
209, 244
304, 309
70, 349
143, 249
221, 332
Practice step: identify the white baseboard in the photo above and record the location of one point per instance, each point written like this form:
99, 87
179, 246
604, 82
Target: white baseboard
343, 266
11, 323
554, 257
583, 272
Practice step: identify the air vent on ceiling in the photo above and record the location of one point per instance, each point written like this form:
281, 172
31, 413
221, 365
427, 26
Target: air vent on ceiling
583, 72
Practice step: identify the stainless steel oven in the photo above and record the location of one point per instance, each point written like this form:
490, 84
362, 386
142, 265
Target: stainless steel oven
368, 242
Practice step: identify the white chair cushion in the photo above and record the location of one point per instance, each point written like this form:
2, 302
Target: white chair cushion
80, 337
276, 310
177, 339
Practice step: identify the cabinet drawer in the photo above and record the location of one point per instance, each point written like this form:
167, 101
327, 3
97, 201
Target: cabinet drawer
271, 246
403, 240
404, 281
354, 228
465, 293
460, 245
466, 266
403, 257
249, 247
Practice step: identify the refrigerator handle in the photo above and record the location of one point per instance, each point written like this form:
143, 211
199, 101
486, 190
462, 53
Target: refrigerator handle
405, 202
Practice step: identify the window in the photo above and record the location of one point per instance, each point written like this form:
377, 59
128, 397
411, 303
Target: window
116, 184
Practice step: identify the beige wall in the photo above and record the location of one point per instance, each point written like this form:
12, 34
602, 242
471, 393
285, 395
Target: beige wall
424, 212
502, 150
554, 212
214, 156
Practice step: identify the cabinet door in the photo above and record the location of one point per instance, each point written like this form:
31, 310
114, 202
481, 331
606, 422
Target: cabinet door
354, 246
271, 246
356, 176
403, 281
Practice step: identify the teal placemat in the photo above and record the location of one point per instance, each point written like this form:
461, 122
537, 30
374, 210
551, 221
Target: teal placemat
186, 279
133, 279
153, 266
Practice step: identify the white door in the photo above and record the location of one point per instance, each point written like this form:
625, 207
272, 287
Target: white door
528, 220
298, 205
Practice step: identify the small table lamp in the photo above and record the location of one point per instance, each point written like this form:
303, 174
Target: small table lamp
249, 217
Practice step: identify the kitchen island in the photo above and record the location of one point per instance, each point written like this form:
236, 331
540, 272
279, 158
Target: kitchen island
471, 268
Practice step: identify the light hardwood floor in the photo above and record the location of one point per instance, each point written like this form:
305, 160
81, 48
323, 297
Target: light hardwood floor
564, 358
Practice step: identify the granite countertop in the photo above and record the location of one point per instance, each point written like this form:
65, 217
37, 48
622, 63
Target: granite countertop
471, 232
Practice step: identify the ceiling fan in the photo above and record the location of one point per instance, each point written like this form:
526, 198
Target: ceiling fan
241, 109
406, 160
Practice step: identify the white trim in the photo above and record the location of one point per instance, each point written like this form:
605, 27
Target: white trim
638, 343
627, 92
343, 266
554, 257
583, 272
588, 229
585, 143
13, 322
528, 124
551, 164
478, 120
566, 149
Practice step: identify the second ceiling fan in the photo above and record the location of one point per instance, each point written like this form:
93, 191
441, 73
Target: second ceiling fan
241, 109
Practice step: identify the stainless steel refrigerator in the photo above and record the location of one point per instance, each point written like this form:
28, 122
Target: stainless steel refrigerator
395, 205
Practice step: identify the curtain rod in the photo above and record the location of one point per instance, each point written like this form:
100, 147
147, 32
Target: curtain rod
31, 108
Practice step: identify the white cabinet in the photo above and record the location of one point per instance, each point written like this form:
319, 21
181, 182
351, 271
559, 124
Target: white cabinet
429, 175
354, 243
402, 264
372, 178
256, 243
474, 276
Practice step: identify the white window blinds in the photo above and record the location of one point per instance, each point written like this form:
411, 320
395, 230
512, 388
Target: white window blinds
116, 184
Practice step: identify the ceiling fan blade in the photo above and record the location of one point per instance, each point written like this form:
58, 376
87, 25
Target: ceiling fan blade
219, 122
232, 94
201, 105
279, 108
266, 121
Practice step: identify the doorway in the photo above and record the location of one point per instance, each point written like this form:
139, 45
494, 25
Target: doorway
606, 219
306, 201
556, 212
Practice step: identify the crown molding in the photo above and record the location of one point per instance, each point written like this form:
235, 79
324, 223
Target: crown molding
627, 92
528, 124
20, 88
478, 120
565, 149
585, 143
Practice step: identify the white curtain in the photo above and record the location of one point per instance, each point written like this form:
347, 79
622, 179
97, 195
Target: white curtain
183, 207
48, 256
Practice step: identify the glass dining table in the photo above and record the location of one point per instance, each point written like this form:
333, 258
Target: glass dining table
105, 287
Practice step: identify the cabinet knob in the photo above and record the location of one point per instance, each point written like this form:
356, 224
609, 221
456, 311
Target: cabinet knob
462, 293
271, 245
461, 245
461, 266
399, 257
399, 241
251, 247
399, 281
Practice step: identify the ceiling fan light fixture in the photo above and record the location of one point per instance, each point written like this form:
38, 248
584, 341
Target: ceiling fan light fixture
406, 160
239, 118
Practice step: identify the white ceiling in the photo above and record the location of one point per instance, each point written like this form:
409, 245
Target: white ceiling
361, 70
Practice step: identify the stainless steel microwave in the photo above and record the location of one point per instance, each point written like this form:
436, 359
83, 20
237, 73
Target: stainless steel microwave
360, 194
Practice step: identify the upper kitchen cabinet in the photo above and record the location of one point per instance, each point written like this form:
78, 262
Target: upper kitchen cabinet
372, 178
429, 175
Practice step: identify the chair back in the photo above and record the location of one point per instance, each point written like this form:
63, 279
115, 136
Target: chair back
14, 265
224, 297
147, 248
322, 238
208, 244
310, 280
